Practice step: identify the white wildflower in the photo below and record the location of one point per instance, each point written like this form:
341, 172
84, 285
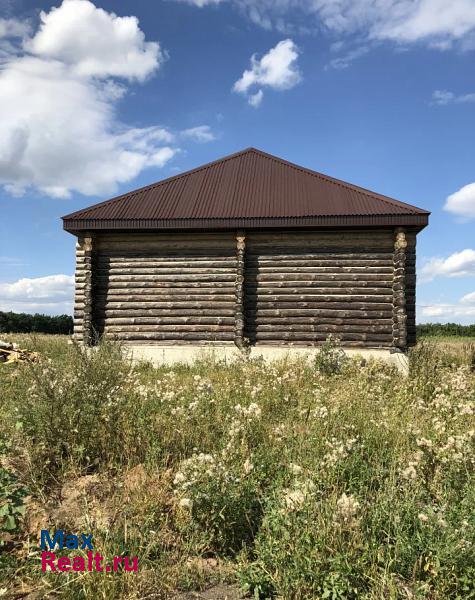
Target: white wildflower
294, 499
442, 522
254, 409
467, 409
424, 443
179, 478
295, 469
321, 412
347, 509
409, 473
279, 432
423, 517
248, 466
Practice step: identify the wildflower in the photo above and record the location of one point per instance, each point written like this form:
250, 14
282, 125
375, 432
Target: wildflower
295, 469
294, 500
442, 522
254, 409
248, 466
142, 391
185, 503
279, 432
255, 391
179, 478
320, 412
339, 450
423, 517
424, 442
409, 473
347, 509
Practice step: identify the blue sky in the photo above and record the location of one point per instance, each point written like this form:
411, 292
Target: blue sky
381, 94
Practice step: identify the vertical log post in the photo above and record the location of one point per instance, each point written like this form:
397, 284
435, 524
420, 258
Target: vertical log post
84, 276
239, 313
399, 290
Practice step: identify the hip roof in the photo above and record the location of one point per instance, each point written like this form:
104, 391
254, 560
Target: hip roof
249, 189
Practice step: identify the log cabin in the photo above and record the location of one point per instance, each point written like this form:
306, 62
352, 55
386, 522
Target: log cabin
248, 250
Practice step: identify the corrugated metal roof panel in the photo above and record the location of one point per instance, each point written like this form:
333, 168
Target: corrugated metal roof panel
248, 187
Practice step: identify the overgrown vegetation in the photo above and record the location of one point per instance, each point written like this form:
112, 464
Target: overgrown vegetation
11, 322
335, 479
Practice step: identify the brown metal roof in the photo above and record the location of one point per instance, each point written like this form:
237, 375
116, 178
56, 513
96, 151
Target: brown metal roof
248, 189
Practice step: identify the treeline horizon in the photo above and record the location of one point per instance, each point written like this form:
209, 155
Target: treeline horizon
445, 329
11, 322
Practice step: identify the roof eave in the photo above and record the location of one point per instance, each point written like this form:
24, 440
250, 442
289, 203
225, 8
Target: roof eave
418, 221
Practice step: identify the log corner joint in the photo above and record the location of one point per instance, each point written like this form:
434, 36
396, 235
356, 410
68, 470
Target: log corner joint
85, 247
399, 290
239, 289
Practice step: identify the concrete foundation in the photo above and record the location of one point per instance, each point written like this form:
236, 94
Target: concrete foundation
169, 355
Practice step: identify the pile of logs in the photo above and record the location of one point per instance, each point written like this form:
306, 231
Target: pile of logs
11, 353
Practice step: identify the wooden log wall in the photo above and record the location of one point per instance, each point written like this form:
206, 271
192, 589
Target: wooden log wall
163, 288
269, 287
83, 290
302, 286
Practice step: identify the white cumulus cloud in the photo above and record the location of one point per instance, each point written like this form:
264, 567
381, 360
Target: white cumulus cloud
461, 312
256, 99
201, 133
13, 28
93, 42
60, 91
458, 264
52, 294
443, 97
277, 70
444, 313
468, 298
462, 203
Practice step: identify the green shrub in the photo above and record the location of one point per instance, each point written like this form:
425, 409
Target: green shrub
78, 412
12, 499
331, 357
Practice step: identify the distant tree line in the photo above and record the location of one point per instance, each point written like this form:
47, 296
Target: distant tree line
445, 329
11, 322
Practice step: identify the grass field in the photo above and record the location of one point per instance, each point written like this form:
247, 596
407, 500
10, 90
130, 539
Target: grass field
291, 480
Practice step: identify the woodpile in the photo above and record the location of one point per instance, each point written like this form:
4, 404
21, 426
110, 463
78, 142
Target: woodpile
11, 353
